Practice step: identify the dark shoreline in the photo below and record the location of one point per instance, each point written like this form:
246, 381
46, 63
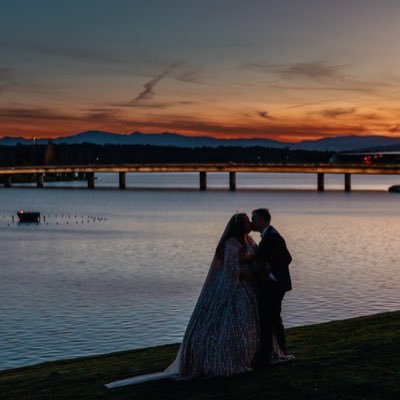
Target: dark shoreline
355, 358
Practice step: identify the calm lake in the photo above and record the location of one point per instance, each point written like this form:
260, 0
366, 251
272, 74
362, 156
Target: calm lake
111, 270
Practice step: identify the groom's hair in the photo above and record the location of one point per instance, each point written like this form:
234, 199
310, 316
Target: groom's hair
263, 213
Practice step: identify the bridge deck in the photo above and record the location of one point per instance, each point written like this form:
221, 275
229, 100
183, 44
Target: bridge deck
90, 170
386, 169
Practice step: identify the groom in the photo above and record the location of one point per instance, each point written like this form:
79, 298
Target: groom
271, 278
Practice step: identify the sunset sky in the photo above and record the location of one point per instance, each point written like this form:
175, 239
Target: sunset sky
287, 70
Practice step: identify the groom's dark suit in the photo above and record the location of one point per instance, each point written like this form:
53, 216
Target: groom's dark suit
272, 280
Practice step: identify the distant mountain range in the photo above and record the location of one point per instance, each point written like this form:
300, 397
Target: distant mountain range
340, 143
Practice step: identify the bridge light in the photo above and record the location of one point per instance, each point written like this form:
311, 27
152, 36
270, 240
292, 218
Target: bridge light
367, 159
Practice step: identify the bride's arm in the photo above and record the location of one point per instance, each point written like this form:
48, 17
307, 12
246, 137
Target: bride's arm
251, 242
246, 258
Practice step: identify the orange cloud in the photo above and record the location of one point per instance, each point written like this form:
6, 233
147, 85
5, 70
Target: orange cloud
287, 124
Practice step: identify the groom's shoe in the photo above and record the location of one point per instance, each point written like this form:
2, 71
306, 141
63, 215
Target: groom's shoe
282, 359
289, 357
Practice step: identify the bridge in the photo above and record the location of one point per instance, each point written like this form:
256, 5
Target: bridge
89, 171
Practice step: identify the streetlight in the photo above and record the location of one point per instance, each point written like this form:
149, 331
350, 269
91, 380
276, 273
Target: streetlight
34, 150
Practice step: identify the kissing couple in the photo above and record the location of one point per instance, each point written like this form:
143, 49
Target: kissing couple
236, 325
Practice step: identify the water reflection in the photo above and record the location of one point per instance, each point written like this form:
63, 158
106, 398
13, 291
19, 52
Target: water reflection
131, 281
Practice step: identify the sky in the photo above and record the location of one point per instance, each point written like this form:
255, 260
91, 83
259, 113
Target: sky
288, 70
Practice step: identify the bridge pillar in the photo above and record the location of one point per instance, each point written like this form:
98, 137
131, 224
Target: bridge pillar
39, 180
347, 182
203, 180
90, 180
232, 181
7, 180
122, 180
321, 181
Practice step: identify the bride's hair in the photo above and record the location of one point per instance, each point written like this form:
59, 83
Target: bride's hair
236, 228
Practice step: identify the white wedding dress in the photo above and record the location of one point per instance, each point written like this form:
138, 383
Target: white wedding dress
172, 372
222, 336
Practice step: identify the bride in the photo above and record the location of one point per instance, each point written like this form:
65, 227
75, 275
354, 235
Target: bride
222, 336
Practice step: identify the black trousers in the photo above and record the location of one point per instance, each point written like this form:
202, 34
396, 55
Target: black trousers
269, 309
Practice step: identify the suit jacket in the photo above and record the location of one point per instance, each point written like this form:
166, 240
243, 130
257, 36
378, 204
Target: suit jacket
273, 256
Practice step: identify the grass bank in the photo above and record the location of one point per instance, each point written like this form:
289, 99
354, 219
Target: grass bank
357, 358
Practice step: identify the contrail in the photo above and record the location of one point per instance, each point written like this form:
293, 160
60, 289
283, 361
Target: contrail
148, 91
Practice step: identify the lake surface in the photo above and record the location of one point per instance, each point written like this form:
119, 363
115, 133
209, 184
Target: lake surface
111, 270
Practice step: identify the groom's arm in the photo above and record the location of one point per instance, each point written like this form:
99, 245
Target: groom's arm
277, 255
260, 262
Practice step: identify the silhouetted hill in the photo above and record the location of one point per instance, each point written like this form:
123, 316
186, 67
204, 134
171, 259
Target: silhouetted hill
340, 143
345, 143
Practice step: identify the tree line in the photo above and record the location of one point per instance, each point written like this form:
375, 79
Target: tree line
88, 153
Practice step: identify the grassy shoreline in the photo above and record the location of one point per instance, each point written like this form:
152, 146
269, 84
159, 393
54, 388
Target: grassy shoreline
357, 358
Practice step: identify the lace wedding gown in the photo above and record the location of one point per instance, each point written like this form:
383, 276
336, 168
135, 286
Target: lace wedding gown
222, 336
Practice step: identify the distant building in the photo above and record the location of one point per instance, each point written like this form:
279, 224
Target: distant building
369, 158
